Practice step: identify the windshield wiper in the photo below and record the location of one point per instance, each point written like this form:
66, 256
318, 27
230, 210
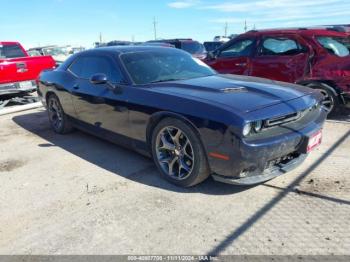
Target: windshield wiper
164, 80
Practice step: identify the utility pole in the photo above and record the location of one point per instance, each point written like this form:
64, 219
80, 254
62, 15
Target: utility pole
226, 27
245, 26
155, 28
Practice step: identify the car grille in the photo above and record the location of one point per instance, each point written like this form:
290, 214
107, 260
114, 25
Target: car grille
282, 119
291, 117
281, 161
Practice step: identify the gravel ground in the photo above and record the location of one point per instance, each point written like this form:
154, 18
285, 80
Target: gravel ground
77, 194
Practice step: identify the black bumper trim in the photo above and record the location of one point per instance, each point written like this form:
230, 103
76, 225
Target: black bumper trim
268, 174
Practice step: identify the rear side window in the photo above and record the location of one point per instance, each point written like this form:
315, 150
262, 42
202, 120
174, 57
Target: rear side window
238, 48
87, 66
11, 51
280, 46
77, 66
338, 46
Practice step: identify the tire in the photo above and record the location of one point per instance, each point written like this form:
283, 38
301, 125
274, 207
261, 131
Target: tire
58, 119
331, 101
178, 153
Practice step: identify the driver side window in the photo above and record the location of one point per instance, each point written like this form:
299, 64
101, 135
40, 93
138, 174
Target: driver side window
87, 66
240, 48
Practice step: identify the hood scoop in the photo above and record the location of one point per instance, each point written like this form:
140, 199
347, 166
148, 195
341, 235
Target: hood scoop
233, 89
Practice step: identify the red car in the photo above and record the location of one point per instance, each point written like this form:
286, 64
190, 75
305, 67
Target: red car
18, 71
317, 58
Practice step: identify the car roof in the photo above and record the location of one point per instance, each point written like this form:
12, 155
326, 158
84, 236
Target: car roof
118, 50
301, 31
173, 40
128, 49
8, 43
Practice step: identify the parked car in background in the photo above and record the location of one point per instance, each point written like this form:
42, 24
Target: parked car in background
18, 71
222, 39
211, 46
74, 50
157, 44
59, 54
318, 58
33, 53
194, 122
70, 50
118, 43
193, 47
341, 28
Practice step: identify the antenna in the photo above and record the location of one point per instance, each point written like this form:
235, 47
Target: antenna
226, 27
155, 27
245, 26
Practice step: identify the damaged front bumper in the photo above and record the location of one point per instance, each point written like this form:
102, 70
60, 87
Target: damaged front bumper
256, 177
256, 160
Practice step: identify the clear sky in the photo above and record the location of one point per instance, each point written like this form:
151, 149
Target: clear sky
79, 22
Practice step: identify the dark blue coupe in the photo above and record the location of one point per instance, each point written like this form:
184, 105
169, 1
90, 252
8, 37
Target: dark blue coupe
191, 120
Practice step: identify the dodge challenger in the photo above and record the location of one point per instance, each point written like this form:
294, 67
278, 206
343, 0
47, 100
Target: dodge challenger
192, 121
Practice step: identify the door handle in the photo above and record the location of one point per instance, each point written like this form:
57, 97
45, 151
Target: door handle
21, 67
240, 64
76, 86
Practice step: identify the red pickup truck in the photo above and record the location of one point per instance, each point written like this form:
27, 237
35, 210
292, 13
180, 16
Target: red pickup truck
18, 71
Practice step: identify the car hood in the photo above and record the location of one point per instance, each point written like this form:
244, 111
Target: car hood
242, 93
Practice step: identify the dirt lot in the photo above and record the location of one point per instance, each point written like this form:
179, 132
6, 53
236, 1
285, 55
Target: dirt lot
77, 194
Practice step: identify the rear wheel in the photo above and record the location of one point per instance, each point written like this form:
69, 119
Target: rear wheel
178, 153
58, 119
330, 101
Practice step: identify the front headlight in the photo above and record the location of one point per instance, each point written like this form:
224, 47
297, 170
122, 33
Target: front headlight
246, 129
251, 127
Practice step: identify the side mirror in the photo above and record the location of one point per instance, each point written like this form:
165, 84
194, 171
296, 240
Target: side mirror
304, 50
99, 79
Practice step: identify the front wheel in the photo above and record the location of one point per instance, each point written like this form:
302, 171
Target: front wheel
178, 153
330, 101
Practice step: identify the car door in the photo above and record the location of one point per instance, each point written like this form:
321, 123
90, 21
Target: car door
99, 105
234, 57
281, 57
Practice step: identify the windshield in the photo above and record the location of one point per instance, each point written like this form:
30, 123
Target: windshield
55, 51
192, 47
11, 51
339, 46
211, 46
161, 66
